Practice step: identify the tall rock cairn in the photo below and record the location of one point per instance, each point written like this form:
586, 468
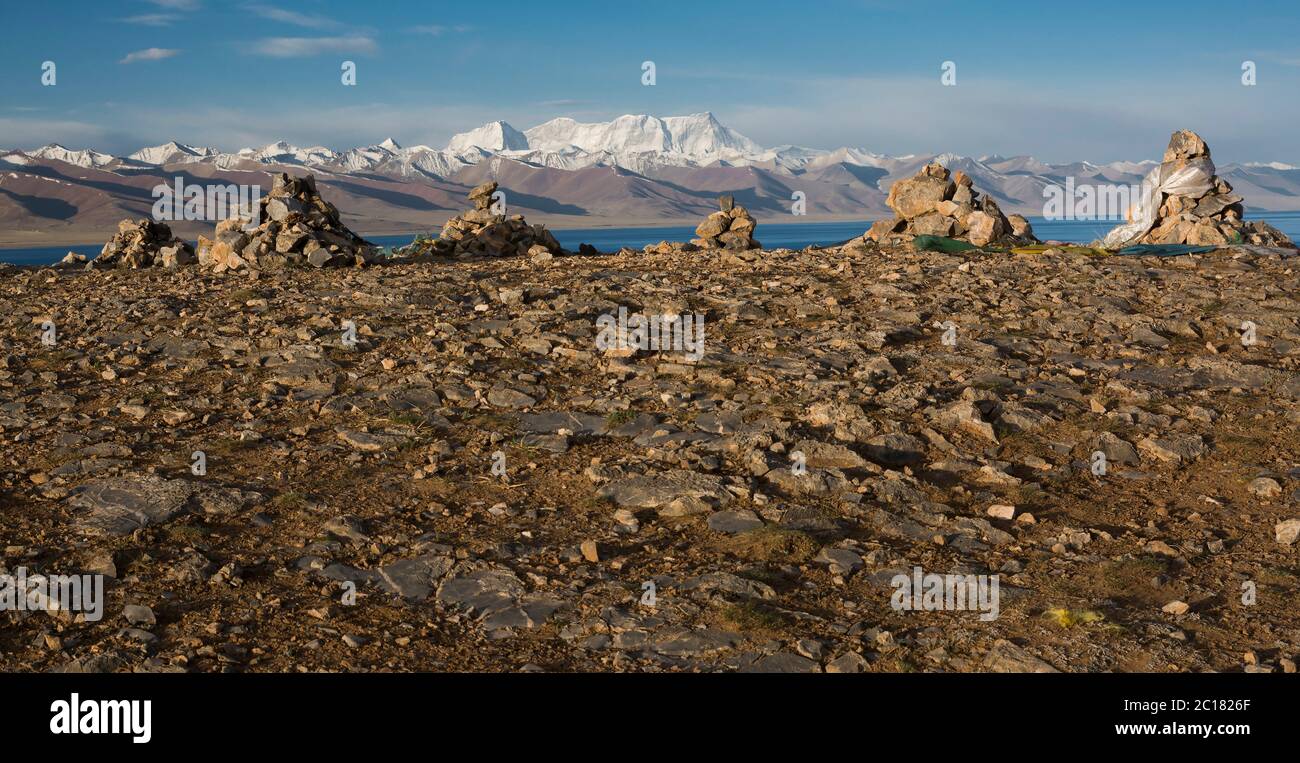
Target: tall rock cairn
295, 226
1209, 214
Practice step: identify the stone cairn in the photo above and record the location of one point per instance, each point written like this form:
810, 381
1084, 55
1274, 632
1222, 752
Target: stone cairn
142, 244
295, 226
937, 203
482, 231
731, 228
1211, 215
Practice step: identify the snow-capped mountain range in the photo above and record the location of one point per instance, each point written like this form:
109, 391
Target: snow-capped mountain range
635, 142
634, 169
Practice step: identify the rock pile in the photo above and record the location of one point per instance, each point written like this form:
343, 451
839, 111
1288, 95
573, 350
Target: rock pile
1184, 202
295, 226
732, 228
143, 244
483, 231
937, 203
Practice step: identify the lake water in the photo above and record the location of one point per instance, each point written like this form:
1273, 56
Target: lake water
772, 235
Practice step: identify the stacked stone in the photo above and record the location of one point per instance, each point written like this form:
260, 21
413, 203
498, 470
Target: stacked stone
143, 244
732, 228
935, 202
482, 231
1212, 217
295, 226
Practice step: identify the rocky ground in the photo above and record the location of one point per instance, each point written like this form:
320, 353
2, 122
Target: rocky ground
947, 407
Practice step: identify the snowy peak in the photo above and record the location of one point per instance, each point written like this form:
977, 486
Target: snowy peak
172, 152
1271, 166
703, 134
281, 152
83, 158
493, 136
699, 136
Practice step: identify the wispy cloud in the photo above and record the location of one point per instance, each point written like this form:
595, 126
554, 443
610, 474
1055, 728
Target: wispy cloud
440, 29
30, 132
292, 17
148, 54
180, 5
301, 47
151, 19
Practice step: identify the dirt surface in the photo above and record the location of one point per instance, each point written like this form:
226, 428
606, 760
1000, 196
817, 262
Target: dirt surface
855, 414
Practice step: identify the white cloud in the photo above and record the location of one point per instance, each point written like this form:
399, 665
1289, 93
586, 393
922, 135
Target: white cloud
439, 29
148, 54
292, 17
180, 5
299, 47
151, 19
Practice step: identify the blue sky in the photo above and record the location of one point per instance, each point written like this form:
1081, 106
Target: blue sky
1097, 80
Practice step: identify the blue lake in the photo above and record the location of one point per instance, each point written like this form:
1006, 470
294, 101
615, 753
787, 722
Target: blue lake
772, 235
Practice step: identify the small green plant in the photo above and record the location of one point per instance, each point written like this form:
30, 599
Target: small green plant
748, 616
619, 418
289, 500
406, 418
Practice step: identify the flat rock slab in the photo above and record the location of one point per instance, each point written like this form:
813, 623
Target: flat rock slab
732, 522
496, 597
122, 505
414, 578
681, 642
308, 377
650, 491
840, 560
554, 422
782, 662
422, 400
370, 442
826, 455
1006, 657
729, 583
508, 397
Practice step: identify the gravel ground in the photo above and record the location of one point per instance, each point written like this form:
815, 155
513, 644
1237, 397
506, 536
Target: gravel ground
436, 465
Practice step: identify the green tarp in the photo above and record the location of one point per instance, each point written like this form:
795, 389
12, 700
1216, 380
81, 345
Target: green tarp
941, 244
1167, 250
952, 246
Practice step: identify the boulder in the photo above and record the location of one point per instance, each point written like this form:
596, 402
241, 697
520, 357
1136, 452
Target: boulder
921, 194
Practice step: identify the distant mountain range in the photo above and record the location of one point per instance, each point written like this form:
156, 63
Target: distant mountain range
634, 170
